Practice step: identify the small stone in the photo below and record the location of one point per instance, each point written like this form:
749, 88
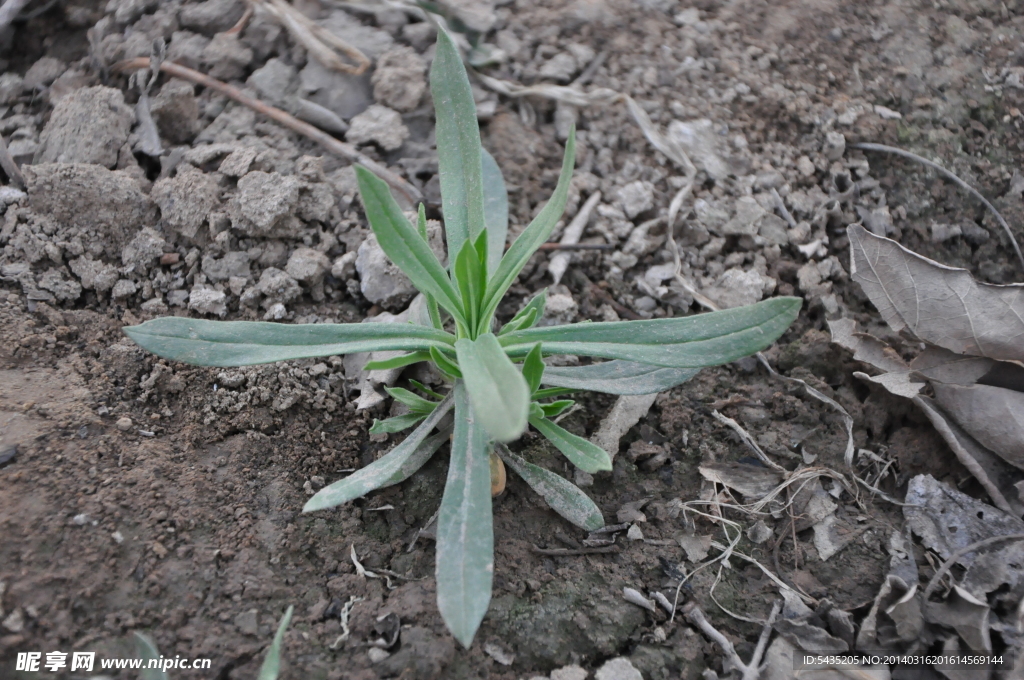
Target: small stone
94, 275
176, 111
944, 232
248, 622
233, 264
155, 306
212, 16
7, 455
226, 57
264, 200
378, 124
834, 146
238, 162
177, 298
124, 423
559, 309
745, 221
736, 288
123, 288
44, 72
63, 289
377, 654
277, 287
15, 622
573, 672
772, 229
143, 250
11, 85
704, 146
344, 268
399, 79
805, 167
208, 301
186, 48
635, 198
275, 81
89, 125
618, 669
560, 67
186, 200
276, 312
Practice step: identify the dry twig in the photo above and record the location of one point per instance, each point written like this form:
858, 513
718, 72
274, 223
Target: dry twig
951, 560
408, 192
321, 43
748, 671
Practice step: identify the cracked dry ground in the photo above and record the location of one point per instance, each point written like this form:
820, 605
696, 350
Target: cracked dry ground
156, 497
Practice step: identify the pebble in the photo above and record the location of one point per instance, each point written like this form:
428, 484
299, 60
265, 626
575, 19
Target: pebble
378, 124
186, 200
805, 167
89, 125
618, 669
124, 423
208, 301
399, 79
635, 198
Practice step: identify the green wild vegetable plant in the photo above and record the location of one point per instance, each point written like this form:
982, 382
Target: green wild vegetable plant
497, 382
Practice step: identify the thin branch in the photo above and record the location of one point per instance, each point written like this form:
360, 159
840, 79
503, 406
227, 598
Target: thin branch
564, 552
9, 11
410, 193
948, 564
950, 176
748, 671
10, 167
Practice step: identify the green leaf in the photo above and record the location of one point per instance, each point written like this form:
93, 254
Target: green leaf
551, 391
533, 368
414, 401
561, 495
272, 664
147, 651
585, 455
242, 343
528, 315
495, 210
425, 390
444, 363
618, 377
397, 362
497, 390
421, 227
458, 145
688, 342
381, 472
403, 244
465, 535
396, 424
556, 408
534, 235
471, 277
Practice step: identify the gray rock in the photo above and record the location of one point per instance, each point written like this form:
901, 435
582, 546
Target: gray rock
11, 85
62, 288
238, 162
380, 281
477, 15
212, 16
233, 264
186, 200
177, 298
344, 268
560, 67
559, 309
378, 124
105, 206
309, 266
320, 116
265, 199
942, 232
343, 94
123, 288
186, 48
736, 288
89, 125
277, 287
399, 79
176, 111
834, 146
745, 221
276, 81
94, 275
773, 229
23, 150
247, 622
208, 301
43, 72
142, 250
635, 198
226, 57
703, 145
315, 202
618, 669
373, 42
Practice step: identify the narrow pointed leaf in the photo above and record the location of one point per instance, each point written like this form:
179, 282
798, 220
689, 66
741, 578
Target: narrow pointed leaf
495, 209
396, 424
534, 235
272, 664
426, 390
497, 390
444, 363
471, 278
533, 368
564, 497
397, 362
618, 377
528, 315
549, 392
242, 343
585, 455
556, 408
432, 311
147, 651
688, 342
465, 535
381, 472
403, 244
458, 145
414, 401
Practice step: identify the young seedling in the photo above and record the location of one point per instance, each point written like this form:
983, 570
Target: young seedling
497, 382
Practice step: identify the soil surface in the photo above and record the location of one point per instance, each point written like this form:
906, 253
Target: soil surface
143, 495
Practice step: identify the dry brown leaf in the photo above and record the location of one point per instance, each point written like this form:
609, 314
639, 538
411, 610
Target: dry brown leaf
941, 365
753, 481
941, 305
992, 415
